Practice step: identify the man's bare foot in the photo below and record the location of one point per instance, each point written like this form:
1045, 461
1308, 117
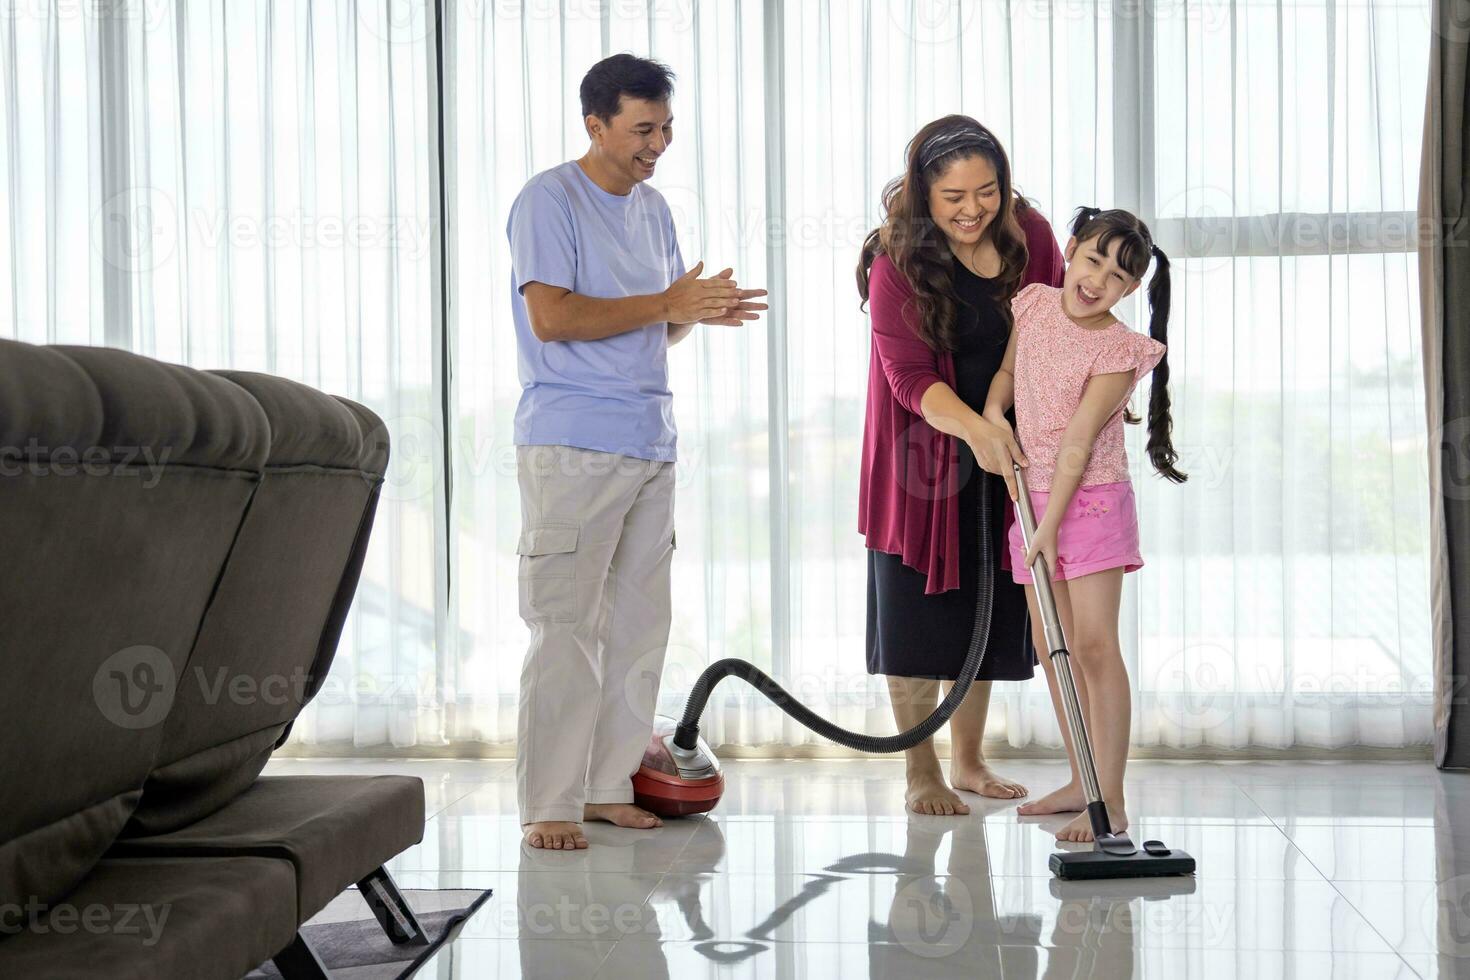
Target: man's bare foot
1079, 830
978, 777
621, 814
555, 835
927, 793
1063, 800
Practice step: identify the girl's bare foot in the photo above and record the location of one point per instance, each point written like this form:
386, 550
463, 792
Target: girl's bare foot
1062, 800
1079, 830
555, 835
927, 793
978, 777
622, 815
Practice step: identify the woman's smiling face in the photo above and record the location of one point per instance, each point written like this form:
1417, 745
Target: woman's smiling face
1094, 282
964, 200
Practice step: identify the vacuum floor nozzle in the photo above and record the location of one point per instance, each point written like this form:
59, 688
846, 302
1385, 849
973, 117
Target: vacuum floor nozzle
1153, 860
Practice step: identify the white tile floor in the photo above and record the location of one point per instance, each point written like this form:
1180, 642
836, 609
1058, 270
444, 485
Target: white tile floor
812, 869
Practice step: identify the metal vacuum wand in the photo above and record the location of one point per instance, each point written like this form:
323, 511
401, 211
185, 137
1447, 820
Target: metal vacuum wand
1056, 643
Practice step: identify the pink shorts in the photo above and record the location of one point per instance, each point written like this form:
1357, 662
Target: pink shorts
1098, 532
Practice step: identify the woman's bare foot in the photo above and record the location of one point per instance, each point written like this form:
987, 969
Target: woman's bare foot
927, 793
1062, 800
1079, 830
978, 777
555, 835
621, 814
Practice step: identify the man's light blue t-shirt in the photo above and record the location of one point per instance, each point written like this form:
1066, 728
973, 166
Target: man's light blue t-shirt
610, 395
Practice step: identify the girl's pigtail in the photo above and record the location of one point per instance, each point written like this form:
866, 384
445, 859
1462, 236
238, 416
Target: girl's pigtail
1081, 218
1160, 425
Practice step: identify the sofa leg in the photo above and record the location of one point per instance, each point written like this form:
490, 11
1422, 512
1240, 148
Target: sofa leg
393, 913
299, 961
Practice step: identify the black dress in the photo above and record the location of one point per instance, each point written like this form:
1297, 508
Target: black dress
911, 634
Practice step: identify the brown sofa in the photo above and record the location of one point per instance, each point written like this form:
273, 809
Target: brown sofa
182, 551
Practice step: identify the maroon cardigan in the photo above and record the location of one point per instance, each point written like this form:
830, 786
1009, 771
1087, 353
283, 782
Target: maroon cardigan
908, 501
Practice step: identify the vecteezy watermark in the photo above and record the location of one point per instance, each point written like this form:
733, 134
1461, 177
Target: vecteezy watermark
408, 21
932, 915
149, 15
1203, 685
1451, 441
565, 918
930, 467
1445, 915
931, 21
97, 918
134, 688
677, 15
395, 21
136, 230
406, 235
139, 229
37, 459
1101, 917
705, 217
419, 445
1196, 686
673, 670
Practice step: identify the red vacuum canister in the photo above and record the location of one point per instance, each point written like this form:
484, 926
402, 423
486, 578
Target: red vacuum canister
674, 782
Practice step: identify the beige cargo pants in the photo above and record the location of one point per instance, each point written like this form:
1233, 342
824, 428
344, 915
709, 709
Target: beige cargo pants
597, 540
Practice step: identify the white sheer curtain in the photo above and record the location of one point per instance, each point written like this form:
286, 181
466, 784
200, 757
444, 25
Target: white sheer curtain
1288, 599
250, 185
1272, 146
246, 185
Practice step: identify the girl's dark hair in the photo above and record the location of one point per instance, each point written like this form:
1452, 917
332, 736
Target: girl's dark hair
1135, 248
610, 79
915, 245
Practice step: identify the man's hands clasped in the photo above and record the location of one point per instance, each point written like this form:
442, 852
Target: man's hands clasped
717, 300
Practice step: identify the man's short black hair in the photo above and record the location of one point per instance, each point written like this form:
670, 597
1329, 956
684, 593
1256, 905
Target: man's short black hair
610, 79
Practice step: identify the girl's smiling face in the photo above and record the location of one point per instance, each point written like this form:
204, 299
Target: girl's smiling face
1094, 282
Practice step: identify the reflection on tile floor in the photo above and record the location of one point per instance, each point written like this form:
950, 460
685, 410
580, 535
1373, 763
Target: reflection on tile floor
813, 869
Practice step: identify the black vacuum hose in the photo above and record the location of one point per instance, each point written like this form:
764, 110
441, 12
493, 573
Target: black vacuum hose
686, 736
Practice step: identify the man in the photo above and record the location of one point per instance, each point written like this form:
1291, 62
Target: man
599, 292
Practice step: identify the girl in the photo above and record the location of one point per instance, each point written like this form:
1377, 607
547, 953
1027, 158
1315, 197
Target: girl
1070, 367
955, 245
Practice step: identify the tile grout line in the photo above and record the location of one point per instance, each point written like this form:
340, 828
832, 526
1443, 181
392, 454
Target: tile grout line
1331, 882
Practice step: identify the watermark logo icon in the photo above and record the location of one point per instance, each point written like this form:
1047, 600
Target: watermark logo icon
1195, 686
932, 915
134, 688
661, 674
931, 21
136, 230
400, 21
1445, 914
1452, 442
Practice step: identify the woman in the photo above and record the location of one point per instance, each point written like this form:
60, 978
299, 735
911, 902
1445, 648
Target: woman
956, 244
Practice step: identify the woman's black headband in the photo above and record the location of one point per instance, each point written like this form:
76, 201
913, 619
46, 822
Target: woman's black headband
949, 141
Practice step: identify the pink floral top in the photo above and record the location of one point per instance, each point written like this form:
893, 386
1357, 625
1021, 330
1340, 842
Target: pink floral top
1054, 359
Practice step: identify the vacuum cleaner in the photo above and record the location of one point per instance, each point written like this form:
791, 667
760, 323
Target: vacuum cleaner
1113, 854
680, 775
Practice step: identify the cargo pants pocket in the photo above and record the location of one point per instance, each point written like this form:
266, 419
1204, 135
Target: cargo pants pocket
548, 584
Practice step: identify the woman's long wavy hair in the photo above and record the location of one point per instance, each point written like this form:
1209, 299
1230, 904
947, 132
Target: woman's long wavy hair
1135, 249
916, 246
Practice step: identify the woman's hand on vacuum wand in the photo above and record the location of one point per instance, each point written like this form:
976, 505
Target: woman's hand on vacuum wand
994, 446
